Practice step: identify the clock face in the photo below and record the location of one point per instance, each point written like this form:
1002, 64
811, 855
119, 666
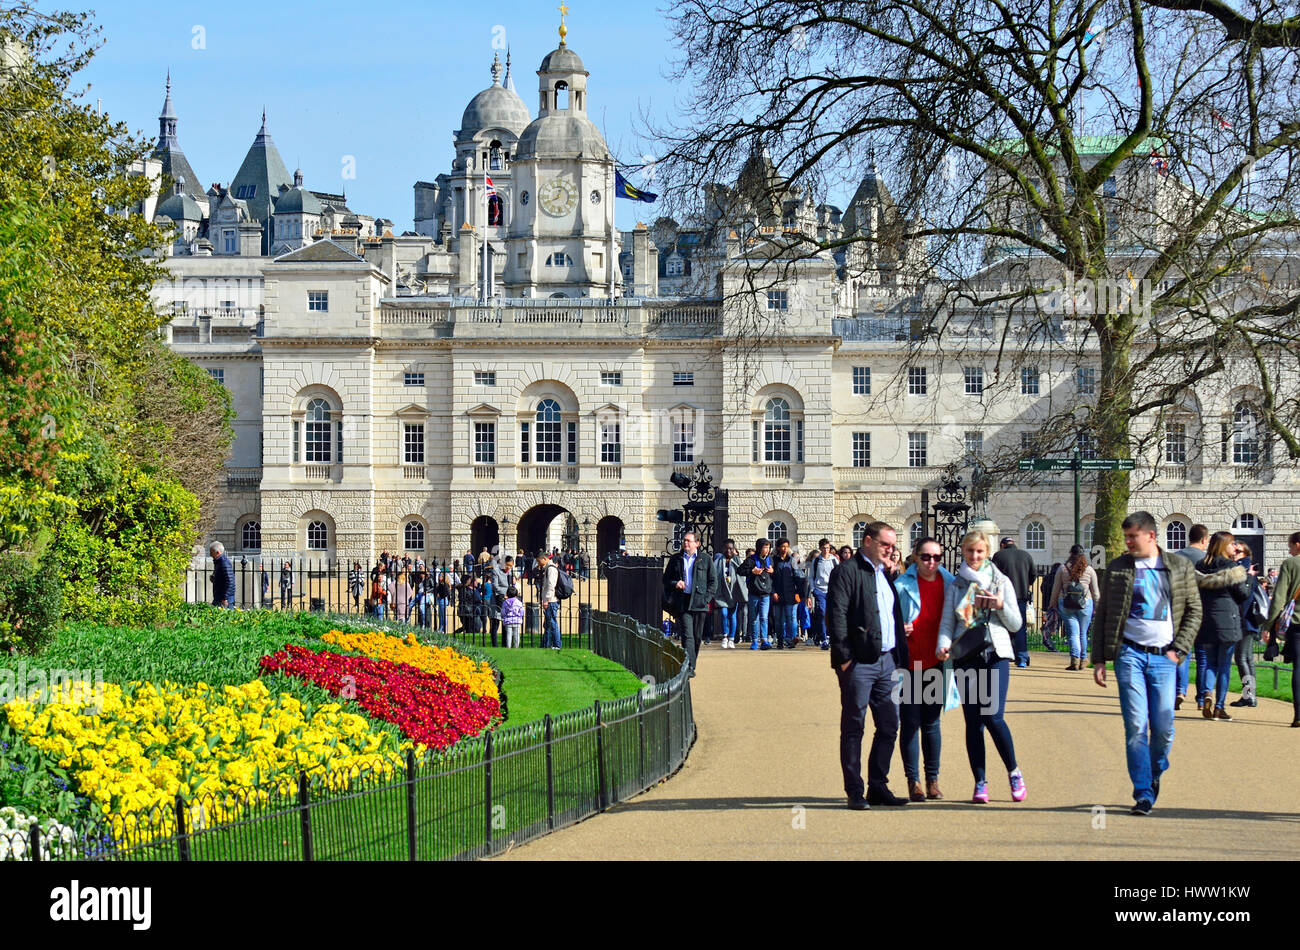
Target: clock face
558, 196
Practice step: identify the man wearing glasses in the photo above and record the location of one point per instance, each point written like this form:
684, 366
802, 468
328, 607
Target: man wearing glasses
868, 643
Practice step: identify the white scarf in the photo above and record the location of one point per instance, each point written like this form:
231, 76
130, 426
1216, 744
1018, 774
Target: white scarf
982, 577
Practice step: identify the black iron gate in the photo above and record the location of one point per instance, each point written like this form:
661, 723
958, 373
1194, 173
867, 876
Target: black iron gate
948, 519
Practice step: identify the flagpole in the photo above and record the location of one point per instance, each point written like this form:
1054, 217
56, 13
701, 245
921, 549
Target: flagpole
613, 198
485, 235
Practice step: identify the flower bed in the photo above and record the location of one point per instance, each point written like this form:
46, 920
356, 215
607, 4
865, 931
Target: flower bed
477, 676
429, 707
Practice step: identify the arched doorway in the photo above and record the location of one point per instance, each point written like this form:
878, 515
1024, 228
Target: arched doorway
1249, 529
609, 537
536, 531
483, 533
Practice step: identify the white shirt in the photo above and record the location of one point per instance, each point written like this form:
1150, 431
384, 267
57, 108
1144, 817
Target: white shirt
885, 605
1150, 620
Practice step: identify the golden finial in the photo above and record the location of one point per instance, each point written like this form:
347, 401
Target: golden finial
564, 30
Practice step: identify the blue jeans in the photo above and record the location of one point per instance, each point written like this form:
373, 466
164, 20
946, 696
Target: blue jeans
379, 611
1218, 670
1076, 623
789, 622
1184, 677
551, 632
728, 617
1021, 637
1146, 698
819, 629
759, 604
1202, 664
442, 614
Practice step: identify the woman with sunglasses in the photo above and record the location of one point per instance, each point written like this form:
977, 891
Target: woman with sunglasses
921, 594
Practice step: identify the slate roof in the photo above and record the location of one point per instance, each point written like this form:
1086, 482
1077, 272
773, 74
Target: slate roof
263, 170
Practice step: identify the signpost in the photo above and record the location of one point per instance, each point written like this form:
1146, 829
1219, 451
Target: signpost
1076, 465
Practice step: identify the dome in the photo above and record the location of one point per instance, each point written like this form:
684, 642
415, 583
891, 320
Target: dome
180, 208
496, 107
562, 60
562, 135
298, 201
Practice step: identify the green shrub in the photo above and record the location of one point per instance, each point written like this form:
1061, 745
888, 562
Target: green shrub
31, 602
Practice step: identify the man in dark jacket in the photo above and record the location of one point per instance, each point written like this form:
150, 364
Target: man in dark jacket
787, 584
223, 576
690, 584
868, 642
1146, 622
1018, 566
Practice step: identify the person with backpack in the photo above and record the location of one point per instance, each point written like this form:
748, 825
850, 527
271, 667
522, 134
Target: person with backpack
731, 594
787, 584
1224, 587
757, 571
550, 578
1253, 612
1074, 597
819, 581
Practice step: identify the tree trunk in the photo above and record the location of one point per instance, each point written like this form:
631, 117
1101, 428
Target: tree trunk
1112, 422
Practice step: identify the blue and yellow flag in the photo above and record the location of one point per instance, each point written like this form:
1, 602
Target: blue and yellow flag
624, 189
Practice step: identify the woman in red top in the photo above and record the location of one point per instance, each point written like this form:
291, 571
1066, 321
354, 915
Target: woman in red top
921, 596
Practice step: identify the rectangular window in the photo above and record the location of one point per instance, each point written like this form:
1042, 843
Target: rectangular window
1087, 445
778, 300
229, 243
1085, 378
573, 443
862, 450
1176, 444
413, 379
862, 380
798, 441
1029, 380
917, 381
318, 442
683, 442
611, 444
412, 444
754, 440
485, 443
683, 379
318, 300
917, 456
611, 379
974, 445
974, 377
297, 439
523, 443
219, 375
1026, 443
776, 441
482, 378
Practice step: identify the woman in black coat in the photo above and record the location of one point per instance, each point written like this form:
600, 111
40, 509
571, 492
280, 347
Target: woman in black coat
1224, 586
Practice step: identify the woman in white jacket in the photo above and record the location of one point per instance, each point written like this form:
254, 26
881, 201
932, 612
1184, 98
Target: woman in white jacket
982, 604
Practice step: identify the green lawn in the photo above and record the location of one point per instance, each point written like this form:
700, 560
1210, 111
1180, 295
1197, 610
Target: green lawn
1264, 688
539, 681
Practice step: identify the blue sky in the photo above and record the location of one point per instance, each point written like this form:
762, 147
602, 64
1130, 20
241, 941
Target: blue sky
384, 82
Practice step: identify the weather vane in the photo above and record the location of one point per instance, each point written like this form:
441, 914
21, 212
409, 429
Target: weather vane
564, 30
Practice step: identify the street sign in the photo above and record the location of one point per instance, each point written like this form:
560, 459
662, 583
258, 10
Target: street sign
1067, 465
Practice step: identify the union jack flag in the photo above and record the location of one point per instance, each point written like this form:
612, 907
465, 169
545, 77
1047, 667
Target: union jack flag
1160, 164
491, 189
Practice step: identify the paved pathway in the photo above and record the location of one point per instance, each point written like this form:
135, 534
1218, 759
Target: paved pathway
763, 780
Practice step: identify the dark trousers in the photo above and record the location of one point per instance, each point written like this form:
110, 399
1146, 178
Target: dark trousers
983, 687
1246, 665
865, 685
692, 627
923, 718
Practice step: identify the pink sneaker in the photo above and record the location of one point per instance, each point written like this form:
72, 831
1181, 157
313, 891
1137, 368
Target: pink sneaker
981, 796
1018, 790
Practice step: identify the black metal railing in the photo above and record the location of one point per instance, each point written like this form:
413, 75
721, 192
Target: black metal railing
479, 798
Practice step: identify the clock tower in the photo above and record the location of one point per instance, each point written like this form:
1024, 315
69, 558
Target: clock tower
561, 240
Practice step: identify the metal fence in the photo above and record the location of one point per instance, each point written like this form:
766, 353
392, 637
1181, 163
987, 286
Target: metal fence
480, 798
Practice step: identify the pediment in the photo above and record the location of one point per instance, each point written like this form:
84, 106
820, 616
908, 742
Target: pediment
483, 409
412, 409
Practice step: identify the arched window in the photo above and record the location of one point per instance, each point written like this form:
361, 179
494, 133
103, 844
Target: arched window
776, 431
496, 211
1035, 536
1245, 435
1175, 536
859, 529
1248, 524
251, 536
549, 448
319, 447
1088, 533
495, 162
915, 533
318, 536
679, 532
561, 95
413, 536
776, 530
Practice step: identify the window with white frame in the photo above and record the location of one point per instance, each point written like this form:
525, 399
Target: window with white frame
675, 267
413, 536
862, 450
778, 300
918, 382
550, 449
973, 443
218, 374
862, 380
251, 536
1176, 444
611, 442
683, 441
1175, 536
859, 529
318, 301
1029, 380
485, 378
412, 379
683, 379
485, 443
611, 378
915, 532
525, 443
917, 454
1035, 536
1245, 435
776, 431
412, 443
1085, 380
1087, 445
318, 536
229, 244
1088, 531
974, 379
559, 260
320, 432
776, 531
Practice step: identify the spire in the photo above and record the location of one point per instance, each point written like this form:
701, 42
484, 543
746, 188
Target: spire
263, 137
496, 69
564, 30
510, 82
167, 111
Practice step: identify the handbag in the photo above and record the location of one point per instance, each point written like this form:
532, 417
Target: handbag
974, 640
